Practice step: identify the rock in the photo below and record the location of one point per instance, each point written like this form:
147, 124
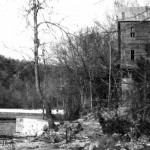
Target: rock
77, 145
75, 127
138, 147
80, 120
62, 131
19, 135
85, 118
50, 123
46, 135
56, 128
148, 144
63, 146
40, 132
45, 128
134, 146
33, 147
61, 122
56, 145
144, 139
51, 136
94, 146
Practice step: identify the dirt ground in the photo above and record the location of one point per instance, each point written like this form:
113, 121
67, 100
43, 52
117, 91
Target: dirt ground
25, 145
89, 138
36, 144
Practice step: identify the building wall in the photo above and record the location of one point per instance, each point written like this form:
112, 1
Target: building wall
135, 41
134, 34
7, 127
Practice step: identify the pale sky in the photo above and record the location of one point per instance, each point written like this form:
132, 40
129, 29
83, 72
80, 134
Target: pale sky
16, 39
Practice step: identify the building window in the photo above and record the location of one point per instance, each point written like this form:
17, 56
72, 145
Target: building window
147, 49
132, 32
132, 54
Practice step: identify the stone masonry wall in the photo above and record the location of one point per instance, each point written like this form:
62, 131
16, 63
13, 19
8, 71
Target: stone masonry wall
137, 43
7, 127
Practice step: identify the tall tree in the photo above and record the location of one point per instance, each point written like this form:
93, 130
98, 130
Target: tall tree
40, 16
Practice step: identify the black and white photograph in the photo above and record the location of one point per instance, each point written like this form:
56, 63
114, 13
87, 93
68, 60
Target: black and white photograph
75, 75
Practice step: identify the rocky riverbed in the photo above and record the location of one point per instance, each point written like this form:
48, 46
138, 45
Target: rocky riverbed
82, 134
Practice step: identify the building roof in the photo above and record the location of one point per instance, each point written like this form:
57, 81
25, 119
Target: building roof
133, 13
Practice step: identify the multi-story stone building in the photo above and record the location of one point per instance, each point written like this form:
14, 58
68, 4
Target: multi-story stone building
134, 41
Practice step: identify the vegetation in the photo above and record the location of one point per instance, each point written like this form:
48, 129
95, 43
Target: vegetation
18, 83
79, 80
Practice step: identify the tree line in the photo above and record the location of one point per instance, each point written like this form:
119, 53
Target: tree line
78, 80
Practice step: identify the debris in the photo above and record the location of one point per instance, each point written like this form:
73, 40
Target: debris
87, 135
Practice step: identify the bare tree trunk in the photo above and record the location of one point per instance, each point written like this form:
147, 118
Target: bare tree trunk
109, 88
36, 46
37, 81
90, 83
91, 98
144, 100
82, 97
44, 78
27, 92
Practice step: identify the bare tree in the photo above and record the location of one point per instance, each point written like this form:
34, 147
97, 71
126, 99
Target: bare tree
37, 6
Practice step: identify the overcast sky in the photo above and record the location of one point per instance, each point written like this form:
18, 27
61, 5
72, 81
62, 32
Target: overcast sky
16, 40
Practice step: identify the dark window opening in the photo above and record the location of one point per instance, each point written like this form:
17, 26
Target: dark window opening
147, 49
132, 54
132, 32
